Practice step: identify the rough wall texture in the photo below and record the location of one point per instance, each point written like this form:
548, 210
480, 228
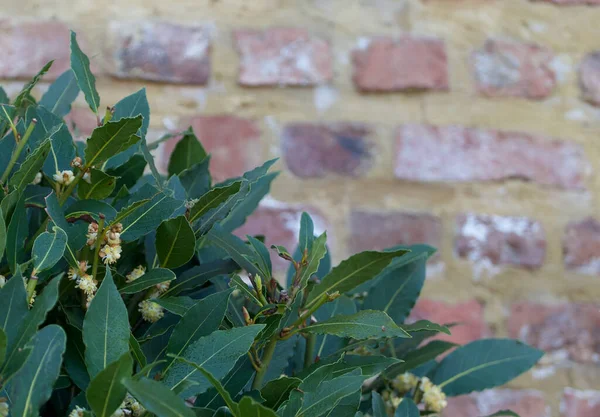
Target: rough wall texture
473, 125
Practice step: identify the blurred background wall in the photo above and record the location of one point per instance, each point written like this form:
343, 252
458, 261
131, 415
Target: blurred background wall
470, 125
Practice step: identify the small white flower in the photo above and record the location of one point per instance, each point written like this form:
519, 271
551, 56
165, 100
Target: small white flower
2, 281
110, 254
136, 273
37, 179
151, 311
92, 234
163, 286
87, 284
136, 408
65, 177
433, 396
77, 412
191, 203
4, 409
405, 382
32, 299
87, 178
113, 238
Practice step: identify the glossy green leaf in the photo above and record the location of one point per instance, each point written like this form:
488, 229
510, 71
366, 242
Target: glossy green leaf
425, 325
176, 305
200, 320
13, 306
4, 99
277, 391
241, 253
74, 360
137, 352
369, 365
147, 216
484, 364
16, 234
157, 398
407, 408
212, 200
263, 257
90, 207
352, 272
235, 380
29, 324
48, 248
378, 405
133, 105
75, 233
175, 242
238, 282
196, 180
101, 185
2, 234
366, 324
3, 343
32, 386
329, 393
397, 288
419, 357
110, 139
250, 408
216, 353
30, 167
80, 64
188, 152
129, 173
26, 91
197, 276
315, 255
61, 94
150, 278
106, 391
105, 327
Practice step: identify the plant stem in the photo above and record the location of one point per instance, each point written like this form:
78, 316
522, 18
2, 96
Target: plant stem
20, 146
99, 240
265, 361
324, 298
311, 341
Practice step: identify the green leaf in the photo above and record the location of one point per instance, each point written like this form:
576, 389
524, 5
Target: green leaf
214, 381
101, 185
241, 253
157, 398
277, 391
200, 320
234, 382
307, 233
425, 325
149, 279
329, 394
315, 254
504, 413
366, 324
90, 207
3, 342
80, 64
216, 353
250, 408
238, 282
4, 99
213, 199
29, 324
197, 276
196, 180
136, 351
129, 173
26, 91
369, 365
30, 167
175, 242
76, 236
48, 248
2, 234
327, 344
263, 257
61, 94
188, 152
74, 360
419, 357
32, 385
16, 234
145, 217
133, 105
379, 409
397, 288
176, 305
106, 391
13, 307
352, 272
407, 408
110, 139
105, 327
484, 364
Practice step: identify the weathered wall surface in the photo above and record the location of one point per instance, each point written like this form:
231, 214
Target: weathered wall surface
473, 125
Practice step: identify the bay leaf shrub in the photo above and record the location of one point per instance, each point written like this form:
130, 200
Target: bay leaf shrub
126, 292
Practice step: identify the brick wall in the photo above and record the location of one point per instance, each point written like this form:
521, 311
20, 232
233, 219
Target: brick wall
473, 125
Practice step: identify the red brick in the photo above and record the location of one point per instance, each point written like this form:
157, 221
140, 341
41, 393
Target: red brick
567, 331
27, 46
81, 122
526, 403
315, 150
468, 314
377, 231
159, 51
280, 223
589, 77
457, 153
282, 56
500, 240
504, 68
578, 403
407, 63
581, 246
233, 142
